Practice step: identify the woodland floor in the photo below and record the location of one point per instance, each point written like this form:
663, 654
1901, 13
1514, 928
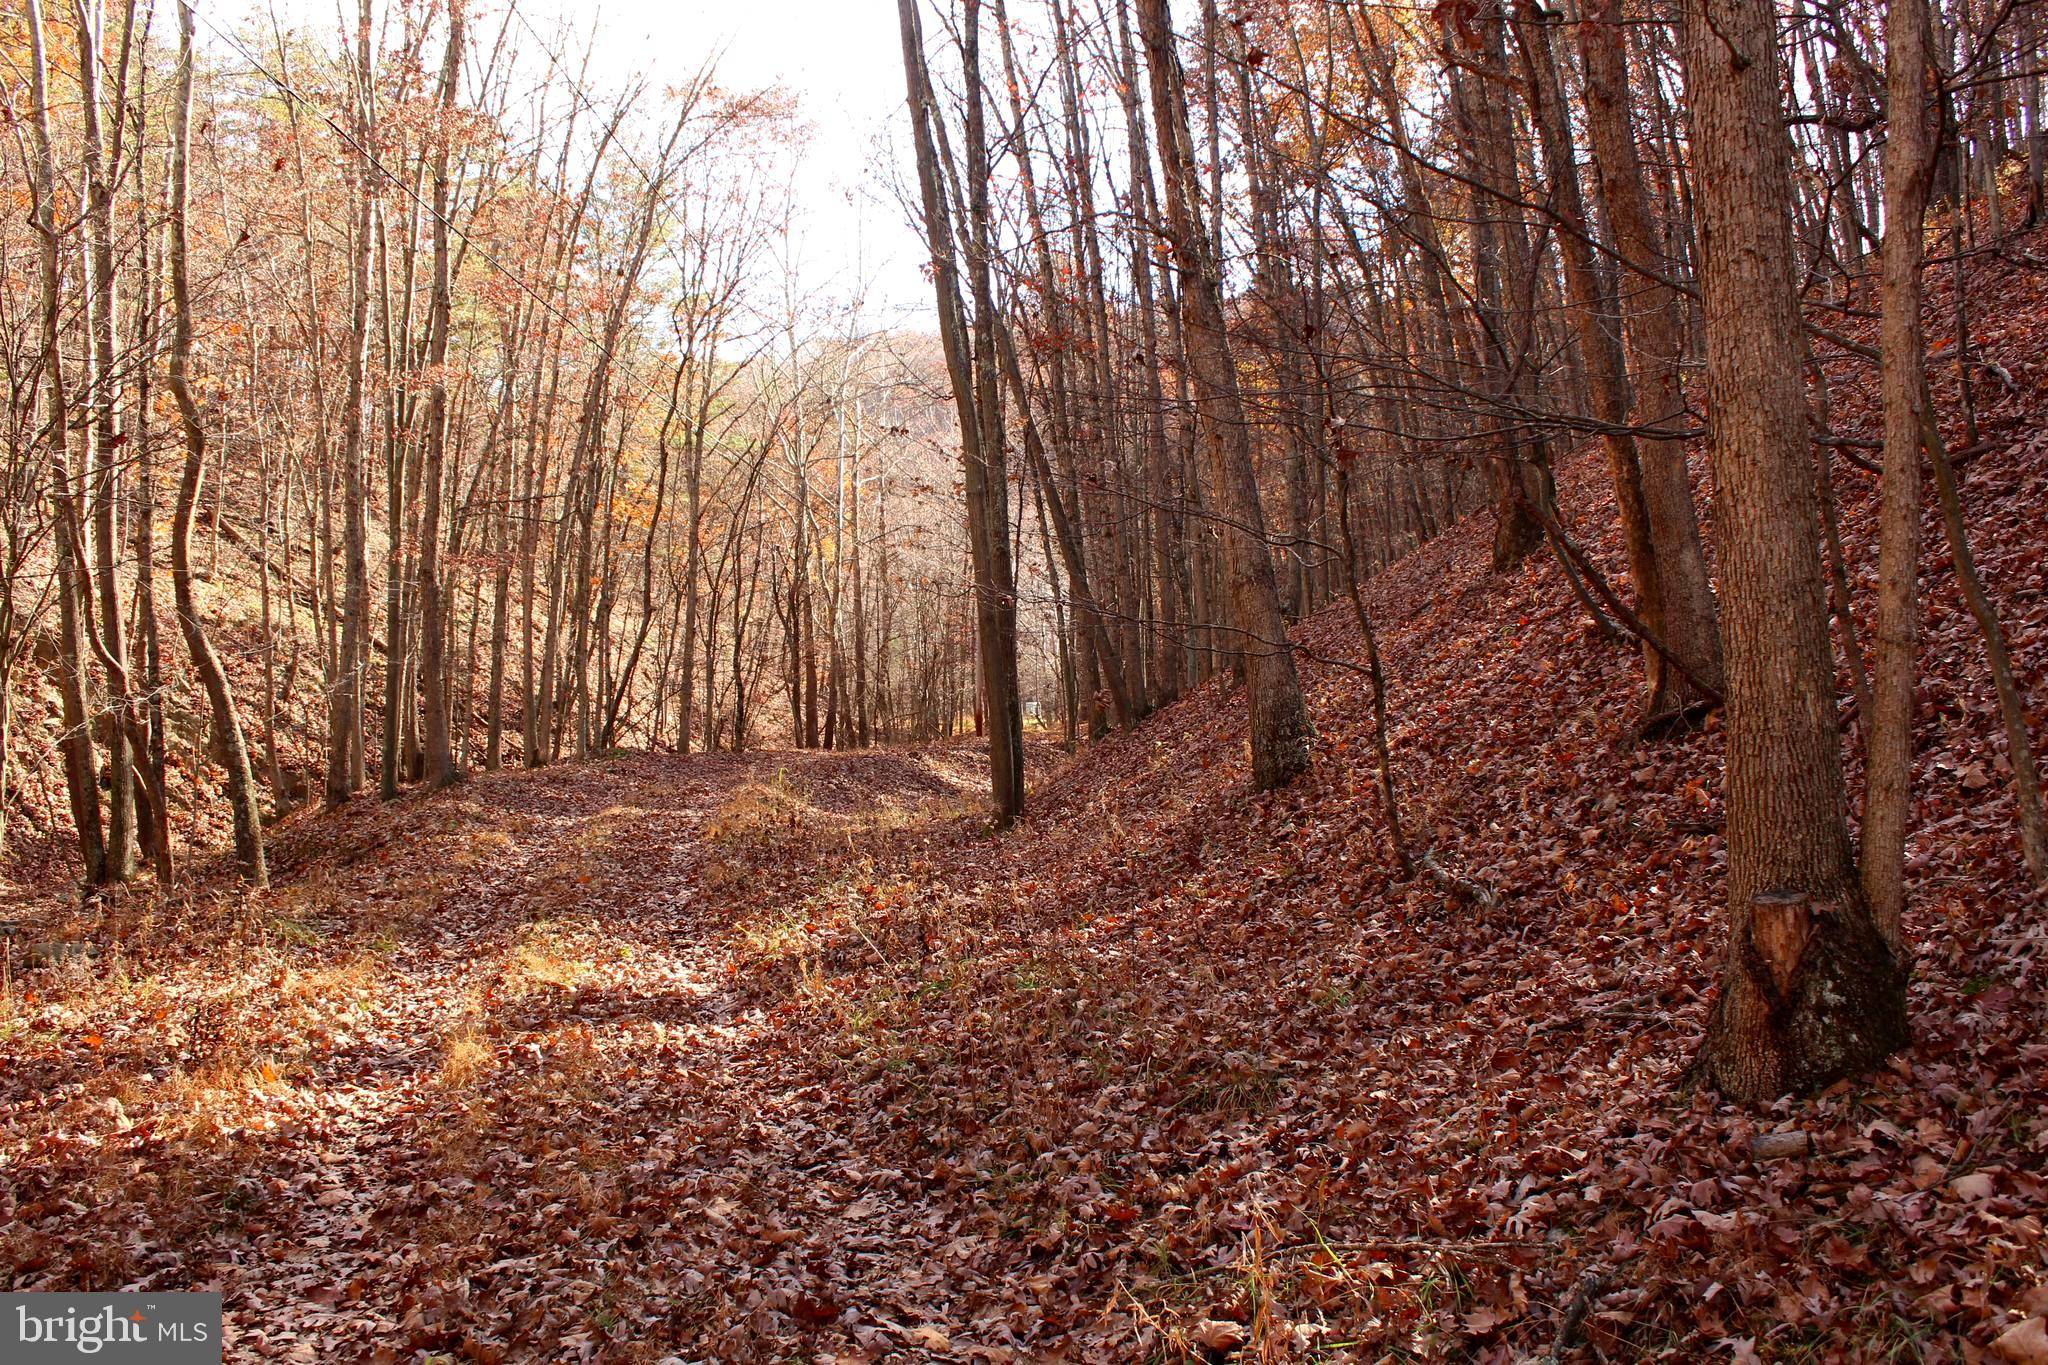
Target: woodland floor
783, 1057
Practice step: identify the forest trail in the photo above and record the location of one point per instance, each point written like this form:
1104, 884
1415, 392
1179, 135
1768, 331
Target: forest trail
522, 991
783, 1056
522, 1039
1408, 968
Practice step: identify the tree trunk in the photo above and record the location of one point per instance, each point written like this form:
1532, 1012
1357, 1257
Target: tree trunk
105, 434
81, 772
1909, 168
975, 395
150, 756
1600, 357
230, 744
1281, 731
440, 757
1810, 992
1653, 327
345, 698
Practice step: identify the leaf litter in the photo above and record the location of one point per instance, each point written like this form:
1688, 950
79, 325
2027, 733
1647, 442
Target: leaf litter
784, 1056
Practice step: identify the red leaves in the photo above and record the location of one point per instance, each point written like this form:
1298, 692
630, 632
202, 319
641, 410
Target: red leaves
2024, 1343
895, 1088
814, 1310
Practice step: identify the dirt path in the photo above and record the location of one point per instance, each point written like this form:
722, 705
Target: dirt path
784, 1058
492, 1086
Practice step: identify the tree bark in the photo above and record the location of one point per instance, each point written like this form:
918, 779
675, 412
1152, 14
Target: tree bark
230, 744
345, 697
105, 435
1810, 992
1909, 169
971, 364
1686, 618
1281, 730
440, 757
81, 772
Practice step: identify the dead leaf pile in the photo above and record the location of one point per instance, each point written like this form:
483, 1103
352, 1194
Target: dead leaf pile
775, 1056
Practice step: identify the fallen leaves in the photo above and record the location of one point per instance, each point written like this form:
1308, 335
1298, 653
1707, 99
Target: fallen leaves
752, 1057
2024, 1343
1219, 1335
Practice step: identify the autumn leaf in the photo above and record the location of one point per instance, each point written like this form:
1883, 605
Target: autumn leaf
2024, 1343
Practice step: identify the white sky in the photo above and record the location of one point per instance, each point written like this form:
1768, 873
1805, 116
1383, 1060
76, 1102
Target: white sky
840, 58
844, 62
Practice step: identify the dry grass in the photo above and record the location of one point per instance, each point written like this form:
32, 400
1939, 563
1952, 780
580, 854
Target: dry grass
602, 832
757, 812
552, 956
467, 1056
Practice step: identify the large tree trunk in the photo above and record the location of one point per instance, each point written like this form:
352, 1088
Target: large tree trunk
1281, 730
1810, 992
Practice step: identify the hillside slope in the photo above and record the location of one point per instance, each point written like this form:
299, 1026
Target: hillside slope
783, 1057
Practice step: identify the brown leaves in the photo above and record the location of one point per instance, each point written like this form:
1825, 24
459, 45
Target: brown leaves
1217, 1335
2024, 1343
1168, 1064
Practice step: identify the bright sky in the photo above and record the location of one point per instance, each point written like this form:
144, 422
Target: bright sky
844, 61
841, 58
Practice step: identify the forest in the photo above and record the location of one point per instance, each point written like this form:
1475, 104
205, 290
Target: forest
1394, 720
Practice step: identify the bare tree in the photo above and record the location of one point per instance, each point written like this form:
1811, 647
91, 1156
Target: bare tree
231, 748
971, 364
1281, 730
